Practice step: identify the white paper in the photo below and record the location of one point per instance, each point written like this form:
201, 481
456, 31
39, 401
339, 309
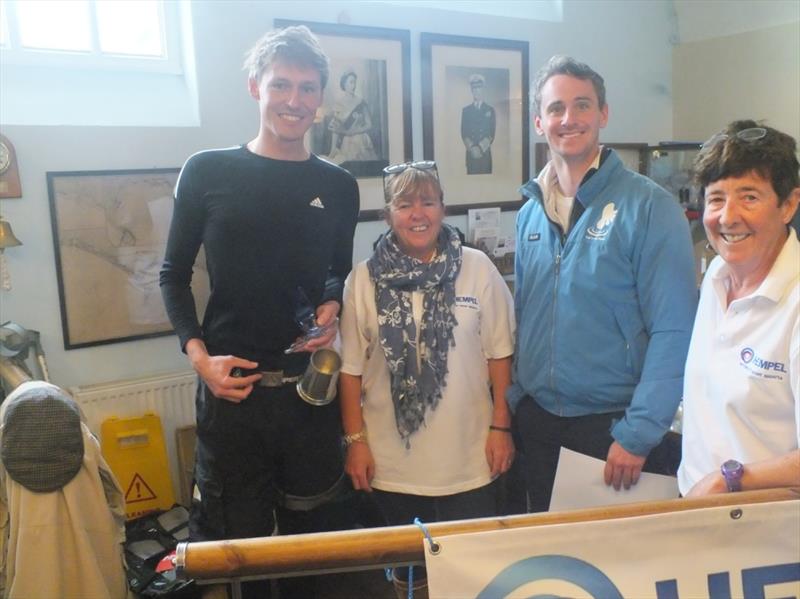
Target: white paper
505, 245
486, 240
579, 484
482, 222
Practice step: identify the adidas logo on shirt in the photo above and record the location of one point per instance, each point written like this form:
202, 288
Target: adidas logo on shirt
317, 203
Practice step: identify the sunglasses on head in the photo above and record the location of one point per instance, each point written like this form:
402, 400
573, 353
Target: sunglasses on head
420, 165
748, 135
396, 169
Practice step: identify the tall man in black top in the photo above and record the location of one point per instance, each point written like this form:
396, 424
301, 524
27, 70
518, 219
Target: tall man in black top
272, 218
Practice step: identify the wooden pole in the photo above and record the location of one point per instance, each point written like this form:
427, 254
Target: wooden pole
364, 549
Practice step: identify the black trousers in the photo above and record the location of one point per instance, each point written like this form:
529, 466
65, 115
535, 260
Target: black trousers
249, 454
401, 508
542, 435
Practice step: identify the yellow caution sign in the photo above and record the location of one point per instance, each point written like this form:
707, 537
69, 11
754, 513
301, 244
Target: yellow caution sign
134, 449
139, 491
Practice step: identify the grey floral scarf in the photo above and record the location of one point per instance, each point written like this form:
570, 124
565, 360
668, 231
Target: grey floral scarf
396, 275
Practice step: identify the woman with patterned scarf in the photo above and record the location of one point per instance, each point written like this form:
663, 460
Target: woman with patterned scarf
427, 337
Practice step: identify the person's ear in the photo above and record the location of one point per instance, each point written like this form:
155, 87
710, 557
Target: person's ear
252, 86
537, 124
789, 207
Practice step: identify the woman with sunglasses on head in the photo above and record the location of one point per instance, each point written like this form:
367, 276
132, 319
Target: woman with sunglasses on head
741, 418
427, 338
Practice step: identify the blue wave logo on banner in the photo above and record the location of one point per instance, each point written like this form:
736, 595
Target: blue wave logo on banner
551, 567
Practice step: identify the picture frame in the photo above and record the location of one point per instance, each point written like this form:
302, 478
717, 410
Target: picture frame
633, 155
109, 235
476, 118
364, 123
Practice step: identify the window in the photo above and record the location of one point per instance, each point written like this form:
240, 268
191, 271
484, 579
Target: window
108, 63
93, 34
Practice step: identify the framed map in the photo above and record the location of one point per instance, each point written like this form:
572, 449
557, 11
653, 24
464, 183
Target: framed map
109, 235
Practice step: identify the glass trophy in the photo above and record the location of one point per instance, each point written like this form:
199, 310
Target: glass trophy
305, 318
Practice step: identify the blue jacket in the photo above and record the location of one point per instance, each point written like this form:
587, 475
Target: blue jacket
605, 313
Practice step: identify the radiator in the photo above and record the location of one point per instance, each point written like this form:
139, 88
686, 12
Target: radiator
171, 396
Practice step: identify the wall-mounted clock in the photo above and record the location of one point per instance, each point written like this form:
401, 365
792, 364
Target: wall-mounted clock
9, 172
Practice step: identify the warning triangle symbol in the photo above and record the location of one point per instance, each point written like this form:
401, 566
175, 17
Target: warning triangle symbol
138, 490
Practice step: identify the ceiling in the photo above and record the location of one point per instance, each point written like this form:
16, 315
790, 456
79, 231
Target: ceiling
695, 19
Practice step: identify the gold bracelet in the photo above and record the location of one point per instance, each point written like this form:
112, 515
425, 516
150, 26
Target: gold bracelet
360, 436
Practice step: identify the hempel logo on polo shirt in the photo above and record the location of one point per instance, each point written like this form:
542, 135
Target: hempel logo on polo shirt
467, 301
760, 367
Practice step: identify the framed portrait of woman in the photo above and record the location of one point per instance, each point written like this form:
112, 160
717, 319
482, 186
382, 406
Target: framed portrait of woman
475, 118
364, 123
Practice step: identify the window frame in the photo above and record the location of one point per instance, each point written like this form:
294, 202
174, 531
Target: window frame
95, 60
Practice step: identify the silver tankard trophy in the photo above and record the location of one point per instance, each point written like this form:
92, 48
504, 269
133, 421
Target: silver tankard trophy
318, 385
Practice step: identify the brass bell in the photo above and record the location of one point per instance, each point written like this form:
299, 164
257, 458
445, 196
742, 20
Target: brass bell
7, 237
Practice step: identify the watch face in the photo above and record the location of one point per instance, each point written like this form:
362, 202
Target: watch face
732, 469
5, 158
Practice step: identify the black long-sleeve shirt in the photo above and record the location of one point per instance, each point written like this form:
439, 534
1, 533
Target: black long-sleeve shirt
267, 227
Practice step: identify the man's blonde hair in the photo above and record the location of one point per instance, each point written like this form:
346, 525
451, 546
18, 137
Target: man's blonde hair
294, 45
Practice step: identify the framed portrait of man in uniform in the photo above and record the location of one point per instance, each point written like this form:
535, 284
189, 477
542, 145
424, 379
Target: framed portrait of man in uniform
475, 118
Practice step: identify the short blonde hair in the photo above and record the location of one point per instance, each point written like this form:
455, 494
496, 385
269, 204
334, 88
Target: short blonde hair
295, 45
409, 182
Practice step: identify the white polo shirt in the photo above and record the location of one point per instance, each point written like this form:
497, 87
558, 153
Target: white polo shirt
741, 394
447, 453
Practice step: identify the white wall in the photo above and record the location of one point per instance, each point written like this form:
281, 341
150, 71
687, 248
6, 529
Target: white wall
753, 74
705, 19
628, 42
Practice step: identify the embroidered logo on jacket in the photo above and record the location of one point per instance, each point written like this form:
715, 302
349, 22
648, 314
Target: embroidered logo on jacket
603, 225
317, 203
760, 367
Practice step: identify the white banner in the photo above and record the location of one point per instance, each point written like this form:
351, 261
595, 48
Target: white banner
722, 552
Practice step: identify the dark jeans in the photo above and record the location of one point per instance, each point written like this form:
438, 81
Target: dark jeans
401, 508
248, 454
542, 435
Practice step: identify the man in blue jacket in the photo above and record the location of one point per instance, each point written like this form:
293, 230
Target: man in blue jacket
605, 295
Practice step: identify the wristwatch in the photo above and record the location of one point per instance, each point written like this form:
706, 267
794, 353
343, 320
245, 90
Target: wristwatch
732, 470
